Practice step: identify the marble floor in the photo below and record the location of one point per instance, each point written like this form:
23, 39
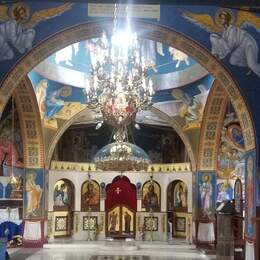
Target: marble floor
114, 250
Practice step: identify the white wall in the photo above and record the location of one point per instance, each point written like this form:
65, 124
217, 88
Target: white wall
78, 178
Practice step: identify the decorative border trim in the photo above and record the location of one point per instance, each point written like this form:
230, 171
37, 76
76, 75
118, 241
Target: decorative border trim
30, 122
212, 123
85, 223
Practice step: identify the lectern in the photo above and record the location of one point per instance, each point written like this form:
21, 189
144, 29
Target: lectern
225, 237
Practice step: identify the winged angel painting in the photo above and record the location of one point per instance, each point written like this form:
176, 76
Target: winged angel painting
229, 37
17, 26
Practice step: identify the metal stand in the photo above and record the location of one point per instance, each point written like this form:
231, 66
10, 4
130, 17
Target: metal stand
88, 237
151, 225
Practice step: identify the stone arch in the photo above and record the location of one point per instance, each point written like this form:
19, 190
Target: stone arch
212, 122
173, 123
30, 123
146, 30
59, 133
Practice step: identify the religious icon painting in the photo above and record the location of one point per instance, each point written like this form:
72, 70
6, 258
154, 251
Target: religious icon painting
235, 135
127, 221
13, 190
63, 195
113, 224
224, 190
206, 194
180, 195
250, 194
151, 196
238, 191
33, 203
90, 196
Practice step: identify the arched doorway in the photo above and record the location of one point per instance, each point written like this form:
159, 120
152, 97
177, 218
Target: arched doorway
120, 206
63, 207
177, 208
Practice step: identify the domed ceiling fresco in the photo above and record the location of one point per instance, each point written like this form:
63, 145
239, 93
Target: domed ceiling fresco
181, 85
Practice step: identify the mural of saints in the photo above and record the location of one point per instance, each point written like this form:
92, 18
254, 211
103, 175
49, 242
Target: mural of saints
225, 191
228, 36
250, 193
33, 194
16, 29
206, 195
231, 161
191, 108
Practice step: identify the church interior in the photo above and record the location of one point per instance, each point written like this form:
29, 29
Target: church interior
130, 123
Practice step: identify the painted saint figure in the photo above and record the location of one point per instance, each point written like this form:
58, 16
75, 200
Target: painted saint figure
206, 191
250, 192
61, 196
191, 107
91, 196
34, 194
181, 197
228, 36
16, 29
150, 200
127, 218
225, 191
113, 222
238, 42
238, 196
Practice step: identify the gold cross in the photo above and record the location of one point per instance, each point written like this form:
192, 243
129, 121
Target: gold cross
118, 190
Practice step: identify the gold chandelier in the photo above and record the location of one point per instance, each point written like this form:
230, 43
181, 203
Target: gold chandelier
121, 155
118, 88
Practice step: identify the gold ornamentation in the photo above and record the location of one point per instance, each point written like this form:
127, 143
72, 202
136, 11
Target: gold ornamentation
90, 223
61, 223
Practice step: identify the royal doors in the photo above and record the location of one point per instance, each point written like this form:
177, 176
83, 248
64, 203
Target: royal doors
120, 207
120, 222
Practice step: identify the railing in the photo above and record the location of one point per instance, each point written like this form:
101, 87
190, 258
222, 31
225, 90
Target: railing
164, 167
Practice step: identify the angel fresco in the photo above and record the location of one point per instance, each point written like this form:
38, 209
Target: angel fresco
191, 108
16, 29
228, 36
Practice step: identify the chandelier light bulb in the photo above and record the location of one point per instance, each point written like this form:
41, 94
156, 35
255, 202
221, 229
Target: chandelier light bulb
137, 126
99, 125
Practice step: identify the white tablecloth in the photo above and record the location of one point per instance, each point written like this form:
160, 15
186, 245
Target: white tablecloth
206, 232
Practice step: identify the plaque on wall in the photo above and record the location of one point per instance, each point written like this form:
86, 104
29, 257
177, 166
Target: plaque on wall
61, 223
180, 224
89, 223
151, 223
